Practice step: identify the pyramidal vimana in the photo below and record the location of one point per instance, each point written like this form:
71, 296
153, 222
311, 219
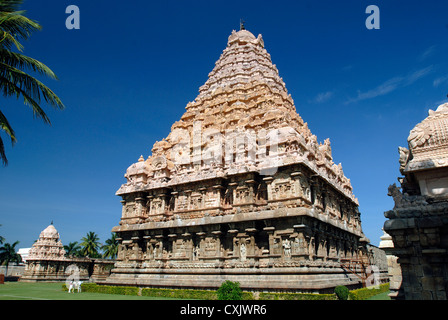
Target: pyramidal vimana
240, 190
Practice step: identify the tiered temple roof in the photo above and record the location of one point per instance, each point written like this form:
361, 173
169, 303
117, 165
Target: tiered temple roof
242, 113
48, 246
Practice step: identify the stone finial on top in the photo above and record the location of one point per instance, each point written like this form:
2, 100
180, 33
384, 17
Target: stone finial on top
243, 37
242, 27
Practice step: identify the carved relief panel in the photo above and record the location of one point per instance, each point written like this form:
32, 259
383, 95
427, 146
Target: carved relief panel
182, 200
210, 246
157, 206
300, 245
212, 198
282, 188
123, 252
181, 248
196, 201
128, 210
304, 187
158, 249
242, 195
243, 247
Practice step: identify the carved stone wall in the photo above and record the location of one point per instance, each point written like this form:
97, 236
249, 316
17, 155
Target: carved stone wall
55, 270
418, 223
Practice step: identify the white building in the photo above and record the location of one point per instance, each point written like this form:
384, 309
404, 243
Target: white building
24, 252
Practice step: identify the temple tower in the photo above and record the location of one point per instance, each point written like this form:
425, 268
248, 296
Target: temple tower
241, 190
418, 223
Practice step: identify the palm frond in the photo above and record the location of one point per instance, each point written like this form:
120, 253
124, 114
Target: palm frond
10, 5
2, 153
8, 41
16, 27
15, 82
5, 126
20, 61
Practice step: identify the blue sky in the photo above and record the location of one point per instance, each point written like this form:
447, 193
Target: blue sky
127, 74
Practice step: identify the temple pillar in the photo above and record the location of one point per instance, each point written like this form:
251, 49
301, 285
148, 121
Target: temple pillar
268, 181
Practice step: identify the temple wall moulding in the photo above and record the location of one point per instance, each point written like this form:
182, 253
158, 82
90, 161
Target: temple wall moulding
241, 193
229, 245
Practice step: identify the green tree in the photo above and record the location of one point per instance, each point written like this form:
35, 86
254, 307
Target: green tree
90, 245
110, 248
72, 249
8, 254
230, 291
341, 292
14, 79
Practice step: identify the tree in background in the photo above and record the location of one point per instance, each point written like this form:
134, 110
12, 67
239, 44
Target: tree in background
8, 254
110, 249
72, 249
90, 245
14, 81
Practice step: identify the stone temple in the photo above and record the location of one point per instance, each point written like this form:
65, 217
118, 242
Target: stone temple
46, 260
240, 190
416, 239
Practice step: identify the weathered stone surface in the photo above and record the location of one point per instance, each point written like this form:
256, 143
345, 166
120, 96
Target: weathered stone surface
418, 223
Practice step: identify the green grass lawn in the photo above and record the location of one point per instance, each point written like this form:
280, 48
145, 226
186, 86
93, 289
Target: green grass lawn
381, 296
53, 291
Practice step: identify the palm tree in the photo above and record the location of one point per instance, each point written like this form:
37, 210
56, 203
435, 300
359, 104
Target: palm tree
8, 254
90, 245
72, 249
110, 249
14, 81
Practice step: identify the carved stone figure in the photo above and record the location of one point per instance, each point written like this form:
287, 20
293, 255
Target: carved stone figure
286, 248
243, 250
404, 156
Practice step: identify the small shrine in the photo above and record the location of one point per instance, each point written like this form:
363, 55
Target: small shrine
47, 262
